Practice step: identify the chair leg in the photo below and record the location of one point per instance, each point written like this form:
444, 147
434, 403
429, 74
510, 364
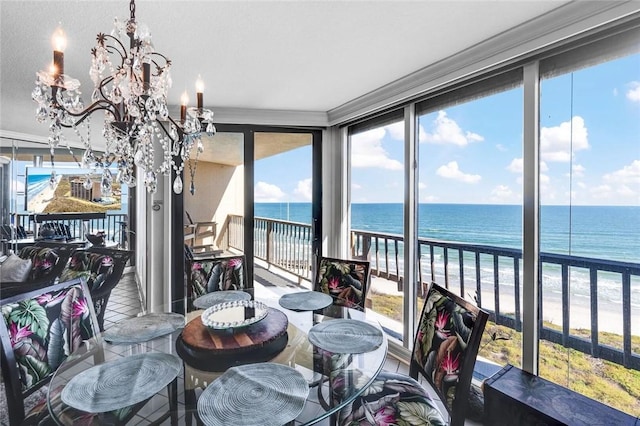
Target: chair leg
173, 400
189, 405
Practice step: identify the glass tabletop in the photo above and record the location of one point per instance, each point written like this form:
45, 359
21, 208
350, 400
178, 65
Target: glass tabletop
318, 366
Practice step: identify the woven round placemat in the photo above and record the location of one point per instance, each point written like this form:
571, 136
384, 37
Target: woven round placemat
144, 328
345, 336
121, 383
254, 394
207, 300
305, 301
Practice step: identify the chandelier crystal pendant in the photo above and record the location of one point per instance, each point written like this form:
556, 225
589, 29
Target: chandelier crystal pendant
131, 86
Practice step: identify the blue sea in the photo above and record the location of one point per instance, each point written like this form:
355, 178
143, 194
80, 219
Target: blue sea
603, 232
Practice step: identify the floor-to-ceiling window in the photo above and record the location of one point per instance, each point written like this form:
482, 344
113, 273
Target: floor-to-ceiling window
377, 202
553, 137
470, 211
283, 194
590, 208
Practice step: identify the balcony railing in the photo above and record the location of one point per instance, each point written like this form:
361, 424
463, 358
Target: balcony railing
284, 244
473, 270
112, 225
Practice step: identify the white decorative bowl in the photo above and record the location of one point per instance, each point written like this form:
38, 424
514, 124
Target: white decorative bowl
233, 315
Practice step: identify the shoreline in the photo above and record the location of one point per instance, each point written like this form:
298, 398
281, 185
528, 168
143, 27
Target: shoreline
609, 313
39, 201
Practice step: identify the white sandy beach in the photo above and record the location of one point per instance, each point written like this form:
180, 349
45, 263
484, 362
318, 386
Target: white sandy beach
609, 313
40, 201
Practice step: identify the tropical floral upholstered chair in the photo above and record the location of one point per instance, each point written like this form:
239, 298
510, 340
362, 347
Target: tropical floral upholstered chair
444, 352
346, 281
206, 275
102, 269
38, 331
46, 265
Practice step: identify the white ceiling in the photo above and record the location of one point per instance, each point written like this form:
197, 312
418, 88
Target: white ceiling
266, 55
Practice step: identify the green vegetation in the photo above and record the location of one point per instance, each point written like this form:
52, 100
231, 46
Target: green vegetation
601, 380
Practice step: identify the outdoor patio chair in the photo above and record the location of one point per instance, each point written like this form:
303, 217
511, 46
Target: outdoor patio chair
31, 333
217, 273
10, 232
55, 231
444, 353
102, 268
347, 281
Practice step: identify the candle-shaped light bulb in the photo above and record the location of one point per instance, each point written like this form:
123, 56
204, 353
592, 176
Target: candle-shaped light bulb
59, 41
184, 99
199, 91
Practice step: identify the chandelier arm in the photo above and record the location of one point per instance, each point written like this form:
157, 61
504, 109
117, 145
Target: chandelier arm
181, 132
166, 60
112, 48
96, 106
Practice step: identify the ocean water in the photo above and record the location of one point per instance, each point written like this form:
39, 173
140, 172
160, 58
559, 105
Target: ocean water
600, 232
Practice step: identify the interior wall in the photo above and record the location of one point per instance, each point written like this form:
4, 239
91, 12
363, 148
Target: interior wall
219, 193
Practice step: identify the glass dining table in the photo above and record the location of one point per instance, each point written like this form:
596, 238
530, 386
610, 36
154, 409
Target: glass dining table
103, 382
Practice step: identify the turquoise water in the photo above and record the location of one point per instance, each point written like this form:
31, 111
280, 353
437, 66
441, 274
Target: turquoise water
602, 232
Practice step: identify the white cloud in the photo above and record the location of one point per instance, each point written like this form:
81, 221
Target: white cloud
502, 194
627, 175
517, 166
396, 130
422, 185
578, 170
355, 185
501, 147
544, 179
615, 92
267, 193
367, 151
452, 171
447, 131
429, 199
303, 189
633, 94
557, 143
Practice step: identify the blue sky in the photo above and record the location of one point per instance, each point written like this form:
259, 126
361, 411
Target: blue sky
472, 153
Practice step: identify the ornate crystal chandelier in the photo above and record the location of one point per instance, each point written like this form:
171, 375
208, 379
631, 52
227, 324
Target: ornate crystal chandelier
132, 93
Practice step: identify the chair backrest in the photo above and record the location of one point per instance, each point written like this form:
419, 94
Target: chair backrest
48, 262
101, 268
446, 346
38, 331
347, 281
206, 275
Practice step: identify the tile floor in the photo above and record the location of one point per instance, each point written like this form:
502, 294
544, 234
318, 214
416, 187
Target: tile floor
125, 303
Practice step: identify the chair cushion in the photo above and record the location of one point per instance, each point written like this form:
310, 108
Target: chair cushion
43, 259
95, 268
392, 399
217, 275
440, 347
344, 281
45, 329
15, 269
